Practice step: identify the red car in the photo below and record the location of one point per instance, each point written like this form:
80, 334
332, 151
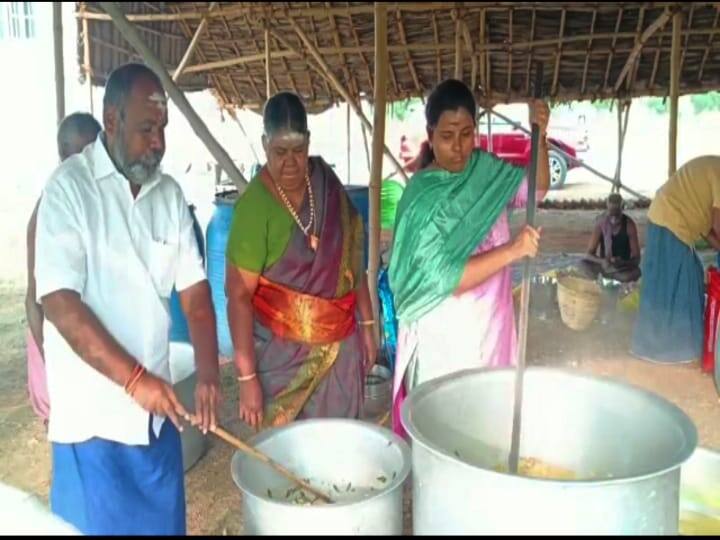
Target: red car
512, 147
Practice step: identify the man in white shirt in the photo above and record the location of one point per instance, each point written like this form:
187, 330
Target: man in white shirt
114, 235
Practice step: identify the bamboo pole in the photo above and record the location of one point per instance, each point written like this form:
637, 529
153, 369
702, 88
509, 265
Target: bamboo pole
482, 49
59, 61
193, 44
258, 12
367, 148
381, 75
349, 176
458, 48
674, 91
330, 76
623, 107
267, 62
635, 53
130, 34
87, 68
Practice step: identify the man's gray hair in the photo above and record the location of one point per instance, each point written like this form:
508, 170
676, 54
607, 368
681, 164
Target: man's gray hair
79, 124
121, 82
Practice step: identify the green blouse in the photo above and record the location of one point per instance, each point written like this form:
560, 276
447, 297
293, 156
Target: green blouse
260, 231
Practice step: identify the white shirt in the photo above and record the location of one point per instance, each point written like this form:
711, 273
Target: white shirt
123, 256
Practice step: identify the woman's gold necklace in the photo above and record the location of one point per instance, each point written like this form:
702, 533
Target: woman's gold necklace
312, 238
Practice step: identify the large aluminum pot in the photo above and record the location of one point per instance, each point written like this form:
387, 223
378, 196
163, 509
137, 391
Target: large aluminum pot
361, 466
184, 378
625, 447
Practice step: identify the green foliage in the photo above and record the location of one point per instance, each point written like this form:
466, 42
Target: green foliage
658, 105
708, 102
401, 110
603, 104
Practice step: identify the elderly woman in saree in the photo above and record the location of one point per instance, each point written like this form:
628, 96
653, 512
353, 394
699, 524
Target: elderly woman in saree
298, 304
450, 266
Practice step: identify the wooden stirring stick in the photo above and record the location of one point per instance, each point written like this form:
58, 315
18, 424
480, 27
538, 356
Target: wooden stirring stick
249, 450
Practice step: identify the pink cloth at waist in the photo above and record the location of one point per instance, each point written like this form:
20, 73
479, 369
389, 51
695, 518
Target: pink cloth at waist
37, 379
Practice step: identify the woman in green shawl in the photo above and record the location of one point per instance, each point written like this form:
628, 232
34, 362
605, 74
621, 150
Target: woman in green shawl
452, 252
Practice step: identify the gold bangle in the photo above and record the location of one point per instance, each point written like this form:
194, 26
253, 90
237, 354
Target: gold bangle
366, 323
247, 378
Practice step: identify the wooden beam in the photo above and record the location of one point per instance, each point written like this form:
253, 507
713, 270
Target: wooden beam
193, 43
528, 68
510, 55
633, 73
408, 57
687, 37
558, 58
258, 12
587, 57
349, 79
362, 56
706, 54
438, 63
482, 49
59, 62
221, 96
622, 106
656, 63
458, 47
656, 25
378, 143
267, 63
349, 176
674, 90
483, 56
612, 49
153, 62
313, 28
286, 67
367, 148
87, 67
330, 76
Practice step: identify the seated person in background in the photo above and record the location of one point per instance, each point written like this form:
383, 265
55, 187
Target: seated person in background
614, 249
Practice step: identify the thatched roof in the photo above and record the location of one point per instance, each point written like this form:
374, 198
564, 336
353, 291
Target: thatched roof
586, 47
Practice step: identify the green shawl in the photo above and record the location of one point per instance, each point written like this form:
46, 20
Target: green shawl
441, 218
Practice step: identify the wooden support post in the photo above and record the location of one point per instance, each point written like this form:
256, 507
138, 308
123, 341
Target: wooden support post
330, 76
634, 55
59, 62
131, 35
349, 175
674, 90
489, 131
458, 48
483, 56
623, 107
267, 63
193, 44
378, 143
87, 68
367, 148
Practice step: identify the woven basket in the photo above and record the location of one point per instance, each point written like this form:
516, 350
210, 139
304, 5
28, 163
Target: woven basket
579, 301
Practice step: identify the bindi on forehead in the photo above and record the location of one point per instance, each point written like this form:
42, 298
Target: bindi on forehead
158, 100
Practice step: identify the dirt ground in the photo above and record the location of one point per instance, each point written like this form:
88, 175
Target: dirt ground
214, 503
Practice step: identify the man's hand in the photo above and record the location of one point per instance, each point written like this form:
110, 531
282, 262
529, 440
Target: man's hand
207, 400
158, 398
